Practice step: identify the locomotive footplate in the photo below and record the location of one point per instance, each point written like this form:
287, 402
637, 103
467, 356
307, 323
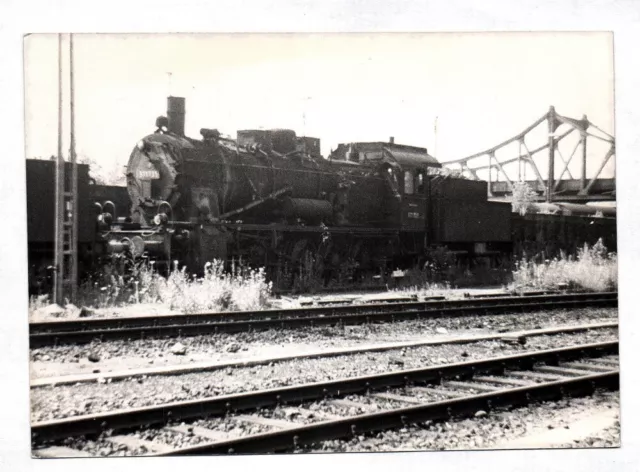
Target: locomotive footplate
354, 230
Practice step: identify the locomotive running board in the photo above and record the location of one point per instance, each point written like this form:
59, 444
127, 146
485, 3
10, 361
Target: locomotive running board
255, 203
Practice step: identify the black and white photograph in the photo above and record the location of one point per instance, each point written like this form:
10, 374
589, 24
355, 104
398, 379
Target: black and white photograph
256, 243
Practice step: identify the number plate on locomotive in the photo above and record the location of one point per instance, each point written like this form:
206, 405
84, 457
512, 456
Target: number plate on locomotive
148, 174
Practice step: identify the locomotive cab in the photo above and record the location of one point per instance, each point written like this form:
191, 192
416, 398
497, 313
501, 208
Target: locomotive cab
414, 199
407, 169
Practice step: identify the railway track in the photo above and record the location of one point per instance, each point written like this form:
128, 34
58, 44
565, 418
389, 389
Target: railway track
293, 417
83, 331
513, 337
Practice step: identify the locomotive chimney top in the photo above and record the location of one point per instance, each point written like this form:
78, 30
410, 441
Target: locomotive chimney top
391, 140
175, 114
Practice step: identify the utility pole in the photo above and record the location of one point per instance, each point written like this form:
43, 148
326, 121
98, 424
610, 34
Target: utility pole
74, 179
59, 202
65, 282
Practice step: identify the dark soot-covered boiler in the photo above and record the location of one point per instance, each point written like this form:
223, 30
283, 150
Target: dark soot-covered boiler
270, 198
265, 196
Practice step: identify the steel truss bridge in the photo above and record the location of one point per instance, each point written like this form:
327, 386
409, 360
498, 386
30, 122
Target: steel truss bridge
504, 172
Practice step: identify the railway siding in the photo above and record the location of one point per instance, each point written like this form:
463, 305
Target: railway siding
248, 362
61, 332
298, 434
64, 401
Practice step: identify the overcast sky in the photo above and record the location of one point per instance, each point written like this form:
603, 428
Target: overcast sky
483, 87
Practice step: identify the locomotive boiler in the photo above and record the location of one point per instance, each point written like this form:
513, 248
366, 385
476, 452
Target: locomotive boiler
269, 197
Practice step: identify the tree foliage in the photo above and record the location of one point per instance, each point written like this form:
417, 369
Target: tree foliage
523, 197
114, 175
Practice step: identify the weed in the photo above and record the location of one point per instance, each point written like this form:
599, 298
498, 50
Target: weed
241, 288
308, 279
593, 268
37, 302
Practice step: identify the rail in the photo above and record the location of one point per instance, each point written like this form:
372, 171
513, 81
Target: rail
106, 329
575, 378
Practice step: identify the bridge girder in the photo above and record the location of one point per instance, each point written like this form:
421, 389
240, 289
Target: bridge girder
548, 188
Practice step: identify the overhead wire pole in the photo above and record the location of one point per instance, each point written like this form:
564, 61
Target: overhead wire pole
74, 180
65, 281
58, 268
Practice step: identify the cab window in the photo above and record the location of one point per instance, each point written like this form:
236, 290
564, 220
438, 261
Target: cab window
408, 183
394, 177
420, 183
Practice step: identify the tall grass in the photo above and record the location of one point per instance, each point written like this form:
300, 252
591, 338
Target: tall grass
241, 288
38, 302
308, 277
593, 268
425, 289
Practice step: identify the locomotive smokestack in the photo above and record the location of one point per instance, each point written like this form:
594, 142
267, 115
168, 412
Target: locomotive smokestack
391, 140
175, 114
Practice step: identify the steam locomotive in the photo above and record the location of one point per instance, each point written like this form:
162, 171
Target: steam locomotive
270, 199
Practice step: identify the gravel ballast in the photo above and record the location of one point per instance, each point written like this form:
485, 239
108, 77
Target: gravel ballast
119, 355
609, 437
493, 430
71, 312
70, 400
485, 430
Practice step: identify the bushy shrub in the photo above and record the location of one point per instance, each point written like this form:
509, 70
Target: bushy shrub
593, 268
241, 288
